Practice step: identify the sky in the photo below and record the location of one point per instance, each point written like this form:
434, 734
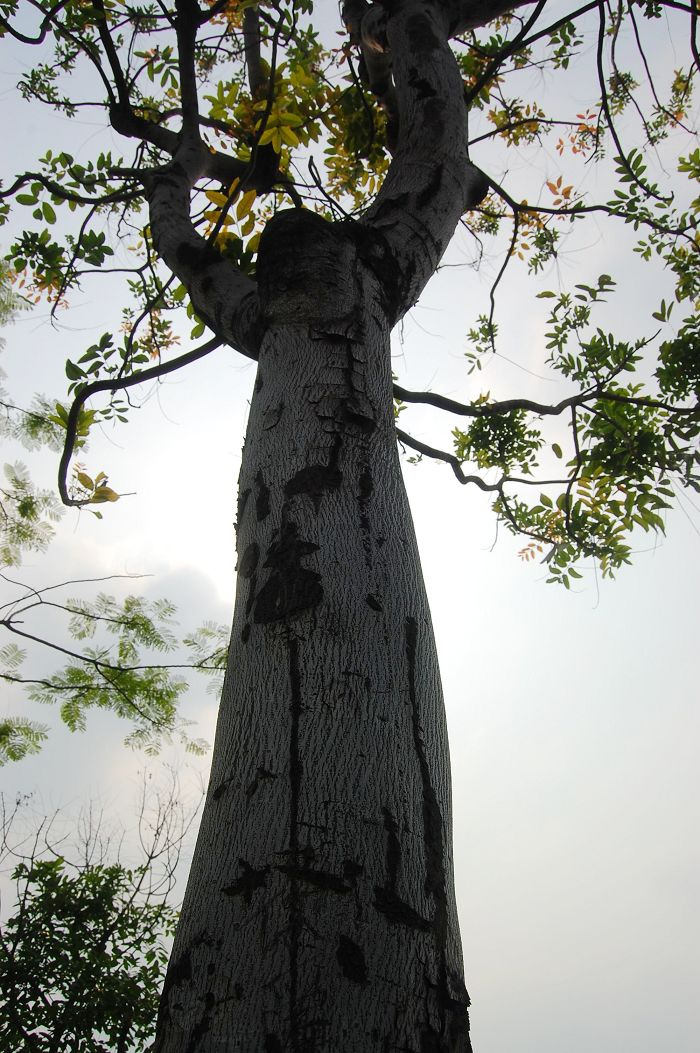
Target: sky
573, 716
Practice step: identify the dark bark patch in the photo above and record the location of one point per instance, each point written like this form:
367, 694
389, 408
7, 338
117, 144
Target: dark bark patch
249, 561
373, 602
251, 597
273, 1044
365, 488
199, 1031
221, 788
430, 190
393, 849
318, 878
434, 116
291, 588
272, 415
296, 772
398, 911
262, 498
179, 972
316, 479
374, 252
435, 881
458, 985
260, 776
242, 502
352, 870
479, 187
197, 257
422, 87
356, 407
245, 633
391, 208
249, 880
357, 411
341, 328
432, 1042
296, 767
432, 817
351, 960
366, 485
259, 380
422, 40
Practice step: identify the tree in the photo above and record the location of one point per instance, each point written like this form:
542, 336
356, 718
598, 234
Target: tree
83, 954
118, 674
324, 918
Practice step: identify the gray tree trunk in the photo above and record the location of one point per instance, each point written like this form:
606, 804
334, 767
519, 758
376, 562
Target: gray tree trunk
320, 912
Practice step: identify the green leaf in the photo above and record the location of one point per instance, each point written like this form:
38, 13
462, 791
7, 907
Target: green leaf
74, 372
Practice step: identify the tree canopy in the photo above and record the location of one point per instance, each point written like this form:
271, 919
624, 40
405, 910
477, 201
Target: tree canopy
276, 111
84, 945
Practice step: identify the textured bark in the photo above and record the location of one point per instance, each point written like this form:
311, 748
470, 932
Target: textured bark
320, 912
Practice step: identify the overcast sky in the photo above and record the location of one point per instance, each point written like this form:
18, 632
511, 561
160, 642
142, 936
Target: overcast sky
573, 716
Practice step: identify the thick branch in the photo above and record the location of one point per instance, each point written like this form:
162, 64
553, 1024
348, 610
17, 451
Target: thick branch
471, 14
430, 182
221, 294
541, 409
186, 25
251, 45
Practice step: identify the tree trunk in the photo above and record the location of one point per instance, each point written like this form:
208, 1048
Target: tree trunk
320, 914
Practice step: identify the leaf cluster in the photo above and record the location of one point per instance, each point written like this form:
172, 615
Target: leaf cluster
83, 959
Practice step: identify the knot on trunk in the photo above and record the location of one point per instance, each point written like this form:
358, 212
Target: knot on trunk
306, 271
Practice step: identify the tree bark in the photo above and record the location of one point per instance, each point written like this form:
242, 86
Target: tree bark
320, 913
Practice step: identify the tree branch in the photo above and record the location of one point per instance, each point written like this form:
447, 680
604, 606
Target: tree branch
116, 385
449, 458
430, 182
492, 409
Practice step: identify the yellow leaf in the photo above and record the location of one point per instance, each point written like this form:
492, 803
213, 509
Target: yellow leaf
246, 203
290, 119
216, 198
85, 480
214, 215
266, 136
288, 136
102, 494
